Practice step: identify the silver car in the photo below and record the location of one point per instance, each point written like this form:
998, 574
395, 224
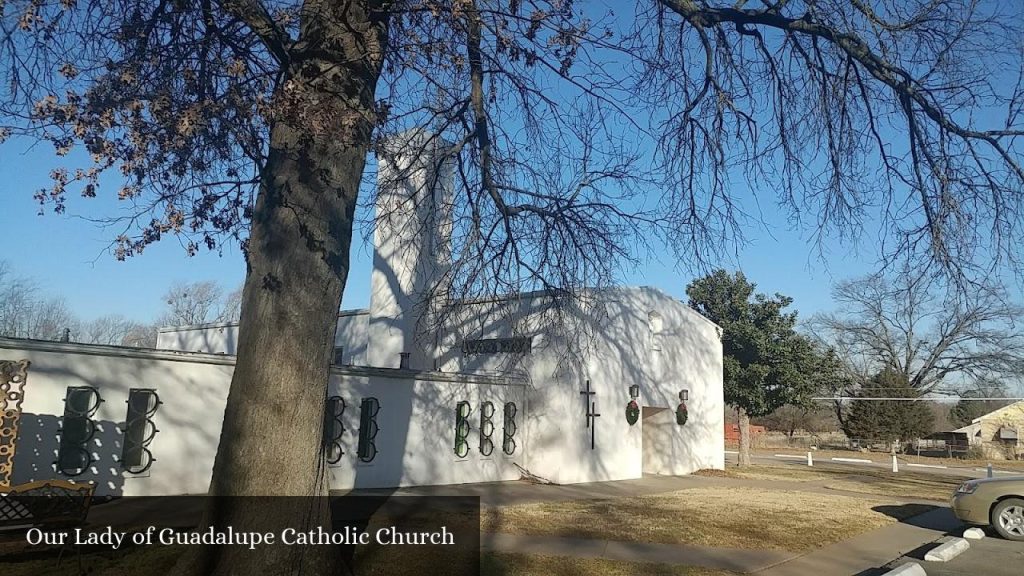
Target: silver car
996, 502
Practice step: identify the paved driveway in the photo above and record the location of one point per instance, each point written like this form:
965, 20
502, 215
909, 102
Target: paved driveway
991, 556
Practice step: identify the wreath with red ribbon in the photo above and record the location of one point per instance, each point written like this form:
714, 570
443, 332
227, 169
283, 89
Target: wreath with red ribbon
681, 414
632, 412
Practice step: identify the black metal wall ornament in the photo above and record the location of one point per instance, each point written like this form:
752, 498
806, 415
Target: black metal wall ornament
508, 443
591, 413
486, 428
77, 429
139, 430
587, 395
334, 428
368, 410
462, 411
632, 412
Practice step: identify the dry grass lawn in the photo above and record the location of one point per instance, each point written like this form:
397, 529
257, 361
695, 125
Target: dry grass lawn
786, 473
730, 517
902, 485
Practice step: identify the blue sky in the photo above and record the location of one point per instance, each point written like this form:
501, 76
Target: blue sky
67, 254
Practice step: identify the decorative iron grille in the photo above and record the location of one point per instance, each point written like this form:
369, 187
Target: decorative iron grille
77, 429
462, 411
334, 428
486, 428
139, 430
368, 410
508, 444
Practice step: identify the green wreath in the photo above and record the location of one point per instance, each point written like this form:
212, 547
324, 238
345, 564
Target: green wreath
632, 412
681, 414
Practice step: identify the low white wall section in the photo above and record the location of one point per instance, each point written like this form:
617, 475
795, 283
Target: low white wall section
223, 338
416, 441
416, 421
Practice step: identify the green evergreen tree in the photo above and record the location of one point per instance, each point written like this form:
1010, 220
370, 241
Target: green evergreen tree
889, 420
766, 364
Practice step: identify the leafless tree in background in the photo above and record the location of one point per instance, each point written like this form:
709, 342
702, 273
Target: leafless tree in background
940, 341
202, 302
253, 120
812, 419
231, 306
868, 120
25, 312
116, 330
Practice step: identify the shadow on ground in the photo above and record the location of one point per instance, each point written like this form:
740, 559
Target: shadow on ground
938, 519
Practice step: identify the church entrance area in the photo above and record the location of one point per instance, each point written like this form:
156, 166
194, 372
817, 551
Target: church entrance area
659, 425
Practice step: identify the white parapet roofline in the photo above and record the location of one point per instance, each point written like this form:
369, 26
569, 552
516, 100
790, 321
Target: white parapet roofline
209, 325
229, 360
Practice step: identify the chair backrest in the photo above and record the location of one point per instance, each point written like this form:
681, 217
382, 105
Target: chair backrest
13, 375
45, 503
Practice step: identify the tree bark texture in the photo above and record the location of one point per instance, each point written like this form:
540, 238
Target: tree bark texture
297, 265
744, 451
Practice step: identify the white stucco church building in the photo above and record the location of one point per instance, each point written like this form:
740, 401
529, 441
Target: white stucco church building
630, 384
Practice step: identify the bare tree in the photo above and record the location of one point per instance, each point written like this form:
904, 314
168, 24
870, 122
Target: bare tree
116, 330
191, 303
812, 419
25, 312
844, 105
231, 306
252, 121
939, 341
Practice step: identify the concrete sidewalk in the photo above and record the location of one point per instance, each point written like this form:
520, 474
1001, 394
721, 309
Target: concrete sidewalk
871, 550
521, 492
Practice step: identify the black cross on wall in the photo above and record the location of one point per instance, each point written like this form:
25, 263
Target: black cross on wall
591, 411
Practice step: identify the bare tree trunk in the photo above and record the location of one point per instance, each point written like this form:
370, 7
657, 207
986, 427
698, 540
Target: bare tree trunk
298, 261
744, 456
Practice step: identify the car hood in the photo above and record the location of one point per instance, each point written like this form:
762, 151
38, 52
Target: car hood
998, 480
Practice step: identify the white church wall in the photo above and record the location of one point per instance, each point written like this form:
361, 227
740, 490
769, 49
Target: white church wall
416, 442
626, 336
192, 388
615, 347
351, 335
206, 338
686, 355
410, 249
416, 419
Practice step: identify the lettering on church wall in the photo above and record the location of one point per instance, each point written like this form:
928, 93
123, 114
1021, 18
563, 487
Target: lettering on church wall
521, 345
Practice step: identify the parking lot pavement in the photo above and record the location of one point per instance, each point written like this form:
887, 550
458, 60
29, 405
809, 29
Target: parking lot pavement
991, 556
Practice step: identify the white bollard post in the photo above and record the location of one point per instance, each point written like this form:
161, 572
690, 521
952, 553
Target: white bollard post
989, 469
810, 460
895, 466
